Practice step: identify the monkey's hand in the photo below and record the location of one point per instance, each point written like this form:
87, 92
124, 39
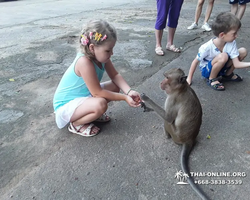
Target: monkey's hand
146, 109
144, 97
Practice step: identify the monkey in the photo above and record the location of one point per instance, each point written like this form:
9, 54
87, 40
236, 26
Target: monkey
145, 108
182, 116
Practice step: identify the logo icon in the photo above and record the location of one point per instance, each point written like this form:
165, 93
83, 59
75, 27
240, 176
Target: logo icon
181, 177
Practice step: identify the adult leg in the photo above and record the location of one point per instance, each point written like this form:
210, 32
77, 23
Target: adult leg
170, 46
234, 8
209, 10
198, 10
160, 24
241, 10
174, 13
158, 38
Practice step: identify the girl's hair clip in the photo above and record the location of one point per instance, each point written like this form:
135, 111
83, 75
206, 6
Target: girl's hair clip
90, 35
104, 38
98, 36
84, 40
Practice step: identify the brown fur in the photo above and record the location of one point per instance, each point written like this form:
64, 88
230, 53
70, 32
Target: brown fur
182, 115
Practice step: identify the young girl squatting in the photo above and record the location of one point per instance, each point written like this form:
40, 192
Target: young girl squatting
80, 98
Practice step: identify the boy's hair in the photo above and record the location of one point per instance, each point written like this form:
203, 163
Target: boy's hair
92, 28
225, 22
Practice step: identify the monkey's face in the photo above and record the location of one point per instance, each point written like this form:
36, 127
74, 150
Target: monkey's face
165, 85
175, 79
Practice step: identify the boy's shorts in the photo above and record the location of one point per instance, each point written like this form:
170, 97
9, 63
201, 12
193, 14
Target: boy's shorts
241, 2
206, 71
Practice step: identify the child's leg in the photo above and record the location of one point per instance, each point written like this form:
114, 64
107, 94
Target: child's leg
93, 108
230, 67
90, 110
217, 64
243, 53
109, 85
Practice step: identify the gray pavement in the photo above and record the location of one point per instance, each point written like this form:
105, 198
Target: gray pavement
131, 158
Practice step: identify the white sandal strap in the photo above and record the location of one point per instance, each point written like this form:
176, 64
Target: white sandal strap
85, 132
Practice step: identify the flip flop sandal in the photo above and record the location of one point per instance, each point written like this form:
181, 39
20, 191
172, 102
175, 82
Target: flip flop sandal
159, 51
173, 48
80, 130
103, 118
215, 86
230, 78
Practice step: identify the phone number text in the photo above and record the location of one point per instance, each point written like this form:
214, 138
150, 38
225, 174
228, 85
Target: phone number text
218, 182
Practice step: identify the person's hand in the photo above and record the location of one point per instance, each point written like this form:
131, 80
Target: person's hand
131, 102
135, 96
189, 80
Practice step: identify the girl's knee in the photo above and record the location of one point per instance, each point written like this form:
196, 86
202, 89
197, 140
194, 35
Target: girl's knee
242, 53
101, 106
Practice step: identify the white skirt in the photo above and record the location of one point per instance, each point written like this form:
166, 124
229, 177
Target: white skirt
65, 112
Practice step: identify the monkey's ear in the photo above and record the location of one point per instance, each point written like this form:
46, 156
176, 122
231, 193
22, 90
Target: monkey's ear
183, 79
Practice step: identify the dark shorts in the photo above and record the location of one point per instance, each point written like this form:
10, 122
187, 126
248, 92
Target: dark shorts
241, 2
205, 72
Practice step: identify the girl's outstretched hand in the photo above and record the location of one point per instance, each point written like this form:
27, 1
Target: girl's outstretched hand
133, 99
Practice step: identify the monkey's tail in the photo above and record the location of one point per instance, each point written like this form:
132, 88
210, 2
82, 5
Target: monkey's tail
186, 149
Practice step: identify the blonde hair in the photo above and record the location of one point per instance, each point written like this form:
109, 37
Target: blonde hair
100, 27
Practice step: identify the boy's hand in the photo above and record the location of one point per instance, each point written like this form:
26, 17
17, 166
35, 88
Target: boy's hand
189, 80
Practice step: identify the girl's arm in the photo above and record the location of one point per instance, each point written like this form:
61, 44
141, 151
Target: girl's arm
121, 83
192, 70
116, 77
85, 68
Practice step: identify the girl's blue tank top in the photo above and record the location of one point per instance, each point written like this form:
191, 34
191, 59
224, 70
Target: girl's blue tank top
72, 86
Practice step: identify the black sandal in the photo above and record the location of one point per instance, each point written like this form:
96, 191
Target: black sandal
230, 78
215, 86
